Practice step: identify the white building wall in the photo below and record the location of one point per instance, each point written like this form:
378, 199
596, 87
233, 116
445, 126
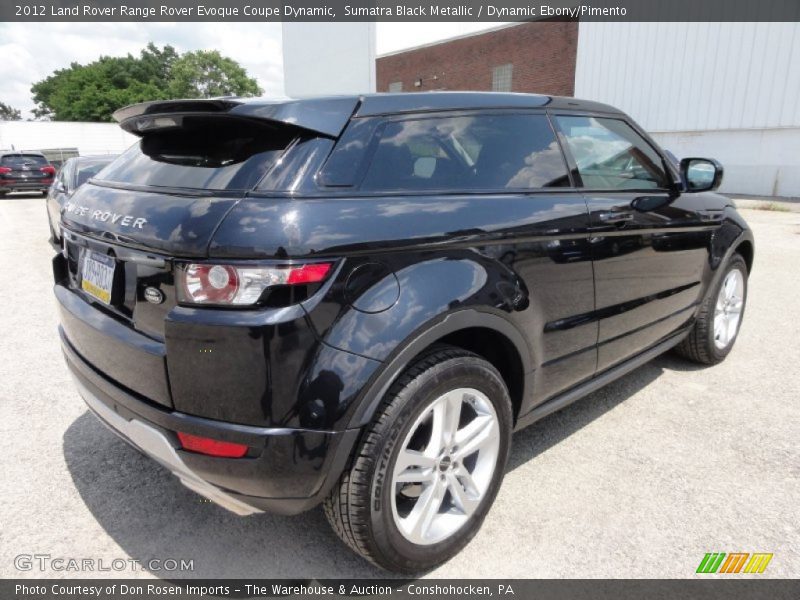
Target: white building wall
726, 90
89, 138
328, 58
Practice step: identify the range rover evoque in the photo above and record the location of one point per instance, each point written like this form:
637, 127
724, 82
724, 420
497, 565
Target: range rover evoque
354, 301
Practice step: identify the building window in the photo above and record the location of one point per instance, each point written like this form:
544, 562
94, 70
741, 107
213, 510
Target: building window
501, 78
396, 86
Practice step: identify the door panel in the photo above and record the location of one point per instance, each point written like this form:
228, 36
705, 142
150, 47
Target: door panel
647, 270
557, 271
649, 243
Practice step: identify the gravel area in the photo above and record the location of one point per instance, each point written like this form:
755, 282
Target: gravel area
640, 479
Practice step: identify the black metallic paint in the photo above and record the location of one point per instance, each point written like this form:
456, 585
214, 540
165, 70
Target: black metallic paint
573, 296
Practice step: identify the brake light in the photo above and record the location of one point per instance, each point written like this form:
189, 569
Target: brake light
211, 447
4, 170
242, 285
211, 284
48, 170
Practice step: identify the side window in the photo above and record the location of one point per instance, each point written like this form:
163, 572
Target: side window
481, 152
611, 155
63, 177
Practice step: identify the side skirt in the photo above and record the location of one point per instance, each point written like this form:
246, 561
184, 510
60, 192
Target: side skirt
579, 391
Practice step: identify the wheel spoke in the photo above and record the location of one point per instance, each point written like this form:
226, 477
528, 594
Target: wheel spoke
731, 324
453, 402
730, 285
464, 491
425, 510
413, 466
474, 435
719, 327
436, 443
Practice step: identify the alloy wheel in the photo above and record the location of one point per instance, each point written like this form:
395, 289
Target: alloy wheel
445, 466
728, 310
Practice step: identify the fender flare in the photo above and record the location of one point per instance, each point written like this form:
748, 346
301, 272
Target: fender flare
745, 236
432, 331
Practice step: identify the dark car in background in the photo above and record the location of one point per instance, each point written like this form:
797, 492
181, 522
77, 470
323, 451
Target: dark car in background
354, 301
25, 172
74, 172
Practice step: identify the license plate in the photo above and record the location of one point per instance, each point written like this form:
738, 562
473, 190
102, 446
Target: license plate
97, 276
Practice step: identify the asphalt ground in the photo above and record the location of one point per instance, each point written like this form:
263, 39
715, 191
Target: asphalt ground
639, 479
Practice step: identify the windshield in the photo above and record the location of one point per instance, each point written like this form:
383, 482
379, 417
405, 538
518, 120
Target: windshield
204, 153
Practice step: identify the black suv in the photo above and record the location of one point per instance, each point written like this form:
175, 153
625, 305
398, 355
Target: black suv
354, 301
25, 172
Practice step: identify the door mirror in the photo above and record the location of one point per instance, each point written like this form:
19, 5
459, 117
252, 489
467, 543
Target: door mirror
701, 174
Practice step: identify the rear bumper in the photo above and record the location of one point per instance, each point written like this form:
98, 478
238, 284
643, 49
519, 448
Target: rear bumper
22, 186
286, 471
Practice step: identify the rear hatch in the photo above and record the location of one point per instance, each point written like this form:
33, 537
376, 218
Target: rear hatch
161, 200
21, 169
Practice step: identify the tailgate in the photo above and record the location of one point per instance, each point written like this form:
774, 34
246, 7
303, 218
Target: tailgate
172, 224
109, 322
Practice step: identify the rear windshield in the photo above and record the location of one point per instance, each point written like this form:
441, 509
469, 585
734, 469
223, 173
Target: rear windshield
20, 160
204, 153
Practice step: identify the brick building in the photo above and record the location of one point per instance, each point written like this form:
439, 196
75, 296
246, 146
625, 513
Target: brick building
523, 57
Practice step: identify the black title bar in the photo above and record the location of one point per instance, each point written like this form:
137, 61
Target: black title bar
711, 588
397, 10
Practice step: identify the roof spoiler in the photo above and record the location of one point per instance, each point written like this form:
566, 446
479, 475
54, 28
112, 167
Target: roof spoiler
326, 116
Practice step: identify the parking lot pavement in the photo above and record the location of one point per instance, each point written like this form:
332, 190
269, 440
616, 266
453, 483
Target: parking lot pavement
640, 479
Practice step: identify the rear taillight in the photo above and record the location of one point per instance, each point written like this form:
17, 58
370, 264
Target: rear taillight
239, 285
211, 447
4, 170
48, 170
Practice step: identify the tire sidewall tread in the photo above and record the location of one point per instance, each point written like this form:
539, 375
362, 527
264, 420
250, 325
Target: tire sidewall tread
360, 509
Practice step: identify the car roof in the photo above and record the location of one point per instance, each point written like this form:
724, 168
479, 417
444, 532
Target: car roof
329, 114
382, 104
91, 159
21, 153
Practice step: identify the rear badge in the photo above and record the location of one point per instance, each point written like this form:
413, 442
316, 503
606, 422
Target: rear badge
154, 295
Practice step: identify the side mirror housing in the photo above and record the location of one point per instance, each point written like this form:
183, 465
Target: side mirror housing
701, 174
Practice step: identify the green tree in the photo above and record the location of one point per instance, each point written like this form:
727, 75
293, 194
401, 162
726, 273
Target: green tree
9, 113
93, 92
206, 73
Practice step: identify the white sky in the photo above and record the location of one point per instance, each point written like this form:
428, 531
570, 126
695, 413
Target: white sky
32, 51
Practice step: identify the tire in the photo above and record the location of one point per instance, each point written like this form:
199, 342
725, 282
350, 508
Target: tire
704, 345
374, 514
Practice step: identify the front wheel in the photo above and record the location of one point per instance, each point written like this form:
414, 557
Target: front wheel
429, 465
717, 325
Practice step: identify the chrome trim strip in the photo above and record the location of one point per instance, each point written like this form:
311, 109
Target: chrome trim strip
153, 443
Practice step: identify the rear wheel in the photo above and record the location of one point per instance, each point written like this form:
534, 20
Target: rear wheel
429, 465
720, 318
